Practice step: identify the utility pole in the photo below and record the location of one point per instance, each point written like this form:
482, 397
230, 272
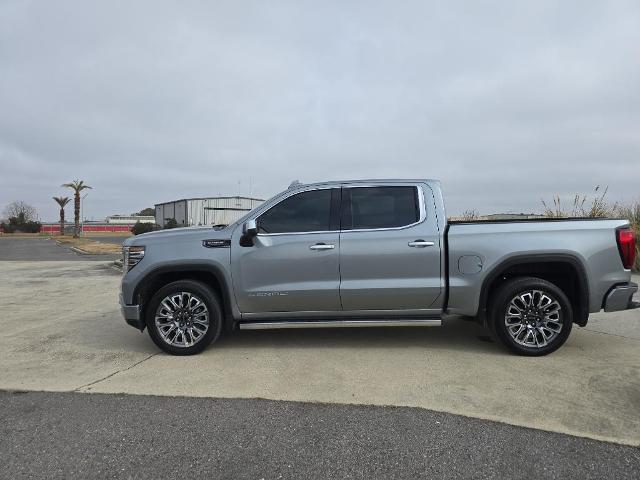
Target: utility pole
82, 214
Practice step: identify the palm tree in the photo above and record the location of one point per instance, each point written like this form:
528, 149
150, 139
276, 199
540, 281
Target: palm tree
62, 201
77, 186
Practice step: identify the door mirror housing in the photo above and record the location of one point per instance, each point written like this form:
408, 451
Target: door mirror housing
249, 231
250, 228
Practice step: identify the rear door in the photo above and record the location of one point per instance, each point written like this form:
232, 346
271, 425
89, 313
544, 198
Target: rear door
389, 249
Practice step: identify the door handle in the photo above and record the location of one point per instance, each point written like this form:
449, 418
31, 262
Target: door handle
322, 246
421, 244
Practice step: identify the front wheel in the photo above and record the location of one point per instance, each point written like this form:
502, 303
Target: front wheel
184, 317
531, 316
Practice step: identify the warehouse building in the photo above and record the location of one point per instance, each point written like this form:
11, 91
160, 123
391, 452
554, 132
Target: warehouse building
205, 211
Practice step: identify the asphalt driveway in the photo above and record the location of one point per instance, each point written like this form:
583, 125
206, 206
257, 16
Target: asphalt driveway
66, 435
42, 250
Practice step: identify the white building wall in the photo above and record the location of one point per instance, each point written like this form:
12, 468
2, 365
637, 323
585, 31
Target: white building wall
129, 219
205, 211
222, 210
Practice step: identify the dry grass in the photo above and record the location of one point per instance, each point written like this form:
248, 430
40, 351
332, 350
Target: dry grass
583, 206
24, 235
90, 246
595, 207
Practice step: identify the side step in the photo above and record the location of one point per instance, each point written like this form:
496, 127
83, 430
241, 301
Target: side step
413, 322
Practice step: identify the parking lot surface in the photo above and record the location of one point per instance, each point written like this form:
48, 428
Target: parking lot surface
65, 333
42, 249
65, 435
115, 239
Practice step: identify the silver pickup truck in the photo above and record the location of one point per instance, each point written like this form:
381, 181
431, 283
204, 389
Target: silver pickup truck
375, 253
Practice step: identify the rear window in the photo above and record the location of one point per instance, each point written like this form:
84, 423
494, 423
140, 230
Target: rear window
381, 207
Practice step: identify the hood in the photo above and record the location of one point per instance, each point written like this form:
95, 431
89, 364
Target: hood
179, 234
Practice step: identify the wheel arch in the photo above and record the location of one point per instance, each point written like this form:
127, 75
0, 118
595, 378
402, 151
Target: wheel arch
208, 274
564, 270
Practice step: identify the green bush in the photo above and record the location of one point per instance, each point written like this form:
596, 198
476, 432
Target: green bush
140, 227
171, 223
19, 225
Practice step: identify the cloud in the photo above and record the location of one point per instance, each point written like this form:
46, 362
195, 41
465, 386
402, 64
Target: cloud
152, 101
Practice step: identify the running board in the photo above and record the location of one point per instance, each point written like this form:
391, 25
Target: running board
267, 325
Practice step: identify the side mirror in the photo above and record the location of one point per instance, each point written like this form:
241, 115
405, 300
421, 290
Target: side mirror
250, 228
249, 231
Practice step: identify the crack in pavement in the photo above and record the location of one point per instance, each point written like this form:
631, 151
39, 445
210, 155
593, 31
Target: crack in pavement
78, 389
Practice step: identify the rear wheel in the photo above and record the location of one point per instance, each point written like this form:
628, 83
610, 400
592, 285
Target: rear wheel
531, 316
184, 317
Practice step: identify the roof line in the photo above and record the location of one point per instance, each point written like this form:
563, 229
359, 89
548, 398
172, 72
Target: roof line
210, 198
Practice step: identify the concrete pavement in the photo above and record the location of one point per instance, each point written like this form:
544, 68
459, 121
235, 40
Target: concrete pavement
73, 338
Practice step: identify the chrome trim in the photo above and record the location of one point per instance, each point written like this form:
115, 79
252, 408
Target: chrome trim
336, 314
421, 207
341, 324
322, 247
421, 244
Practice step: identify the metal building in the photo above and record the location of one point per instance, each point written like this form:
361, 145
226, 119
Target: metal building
205, 211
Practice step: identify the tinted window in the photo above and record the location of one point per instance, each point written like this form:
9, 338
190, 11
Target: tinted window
382, 207
303, 212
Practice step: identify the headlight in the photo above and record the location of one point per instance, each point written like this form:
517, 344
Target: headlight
131, 257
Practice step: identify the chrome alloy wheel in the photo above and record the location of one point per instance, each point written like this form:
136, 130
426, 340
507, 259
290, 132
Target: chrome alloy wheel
533, 318
182, 319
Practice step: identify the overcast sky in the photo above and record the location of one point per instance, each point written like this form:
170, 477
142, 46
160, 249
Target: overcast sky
505, 102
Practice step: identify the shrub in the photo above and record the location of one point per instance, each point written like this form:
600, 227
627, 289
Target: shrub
140, 227
596, 207
170, 223
470, 215
18, 225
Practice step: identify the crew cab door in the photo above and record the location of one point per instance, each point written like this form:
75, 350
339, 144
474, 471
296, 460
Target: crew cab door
292, 265
390, 256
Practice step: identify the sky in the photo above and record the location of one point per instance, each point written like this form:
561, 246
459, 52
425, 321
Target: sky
150, 101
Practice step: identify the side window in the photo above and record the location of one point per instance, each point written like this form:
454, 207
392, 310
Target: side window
303, 212
381, 207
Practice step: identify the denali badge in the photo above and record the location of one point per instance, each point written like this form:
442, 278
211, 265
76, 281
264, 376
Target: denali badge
216, 243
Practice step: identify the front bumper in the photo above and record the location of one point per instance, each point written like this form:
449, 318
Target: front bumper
621, 298
132, 314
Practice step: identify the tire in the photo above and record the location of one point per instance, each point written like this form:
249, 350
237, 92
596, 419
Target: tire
177, 315
531, 316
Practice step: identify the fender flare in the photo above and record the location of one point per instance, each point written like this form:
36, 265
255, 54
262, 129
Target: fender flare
582, 307
187, 267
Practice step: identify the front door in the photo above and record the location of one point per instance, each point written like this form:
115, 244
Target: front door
292, 265
390, 250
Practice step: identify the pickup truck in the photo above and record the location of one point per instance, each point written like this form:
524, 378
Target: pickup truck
375, 253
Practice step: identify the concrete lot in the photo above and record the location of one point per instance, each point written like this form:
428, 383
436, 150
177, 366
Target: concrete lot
62, 331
